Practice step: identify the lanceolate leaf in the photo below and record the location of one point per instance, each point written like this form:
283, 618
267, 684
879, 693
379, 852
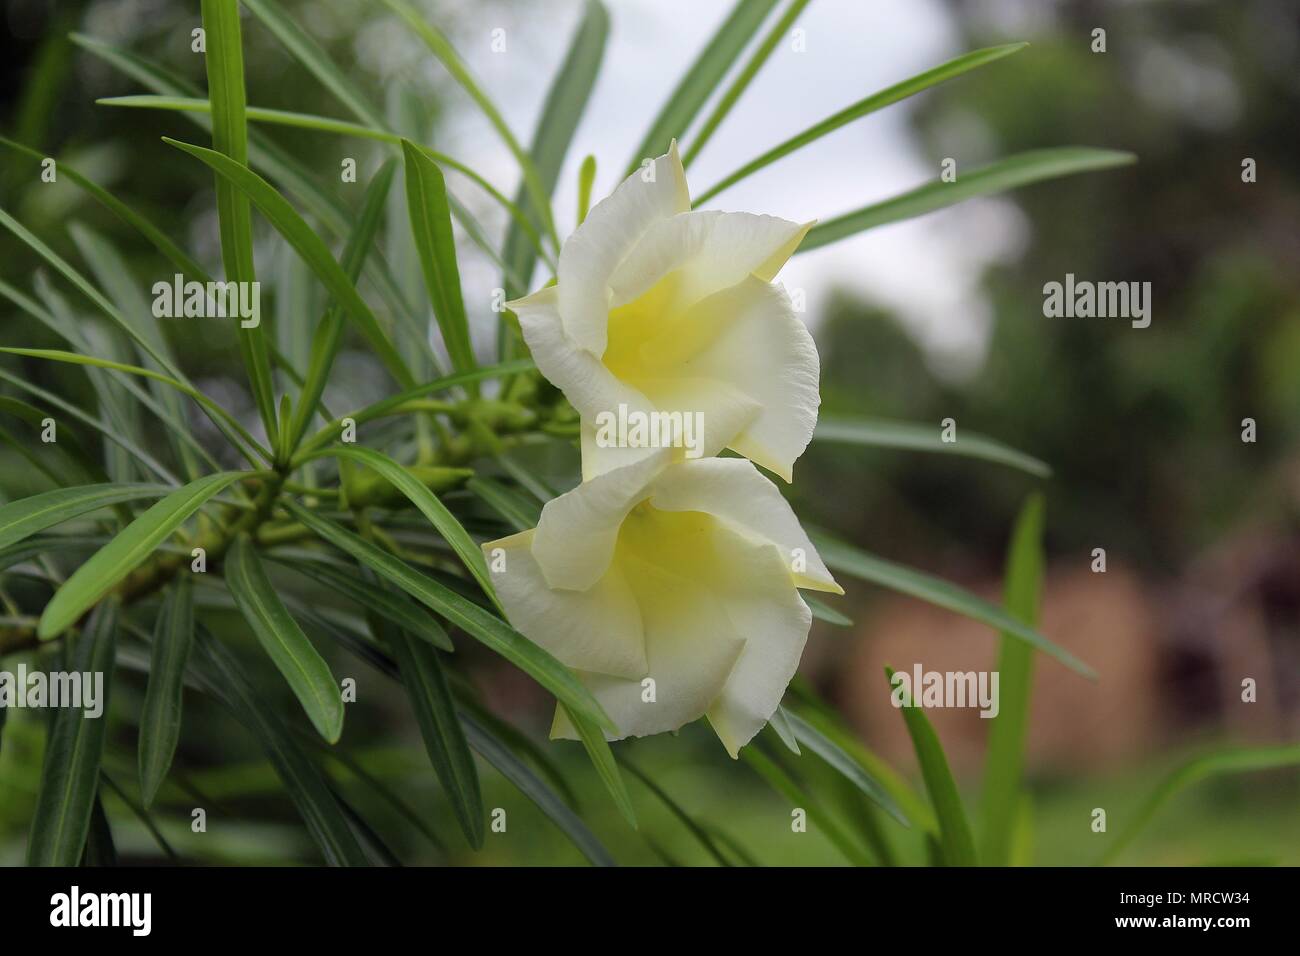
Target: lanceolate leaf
876, 433
310, 246
225, 65
1006, 741
955, 838
1019, 170
444, 739
812, 738
70, 774
133, 544
303, 780
461, 612
565, 102
393, 607
429, 505
865, 106
520, 510
602, 758
896, 577
25, 517
283, 640
160, 716
426, 198
704, 76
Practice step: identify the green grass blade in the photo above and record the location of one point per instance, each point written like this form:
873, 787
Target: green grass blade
746, 76
426, 198
25, 517
829, 751
70, 774
463, 613
309, 245
864, 107
1244, 760
389, 605
427, 502
566, 100
225, 66
1009, 173
877, 433
1004, 760
283, 640
602, 758
703, 77
160, 716
955, 840
303, 780
442, 48
444, 738
941, 593
132, 545
500, 756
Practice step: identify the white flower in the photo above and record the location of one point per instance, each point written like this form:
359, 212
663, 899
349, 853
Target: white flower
684, 573
657, 308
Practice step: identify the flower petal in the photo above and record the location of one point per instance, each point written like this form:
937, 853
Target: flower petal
734, 491
611, 230
597, 630
709, 251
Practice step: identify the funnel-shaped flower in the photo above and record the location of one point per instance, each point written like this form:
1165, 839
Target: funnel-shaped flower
658, 309
672, 589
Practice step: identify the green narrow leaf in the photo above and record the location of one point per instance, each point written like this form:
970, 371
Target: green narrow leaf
704, 76
566, 100
303, 779
824, 612
70, 774
463, 613
309, 245
841, 762
1243, 760
23, 518
160, 716
780, 780
283, 640
225, 67
1004, 760
676, 809
944, 594
444, 739
520, 510
426, 198
586, 179
746, 76
311, 55
495, 752
955, 840
866, 106
877, 433
427, 502
780, 724
389, 605
329, 334
133, 544
1009, 173
602, 758
441, 48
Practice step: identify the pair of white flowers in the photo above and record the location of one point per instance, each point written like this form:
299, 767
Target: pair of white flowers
670, 584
